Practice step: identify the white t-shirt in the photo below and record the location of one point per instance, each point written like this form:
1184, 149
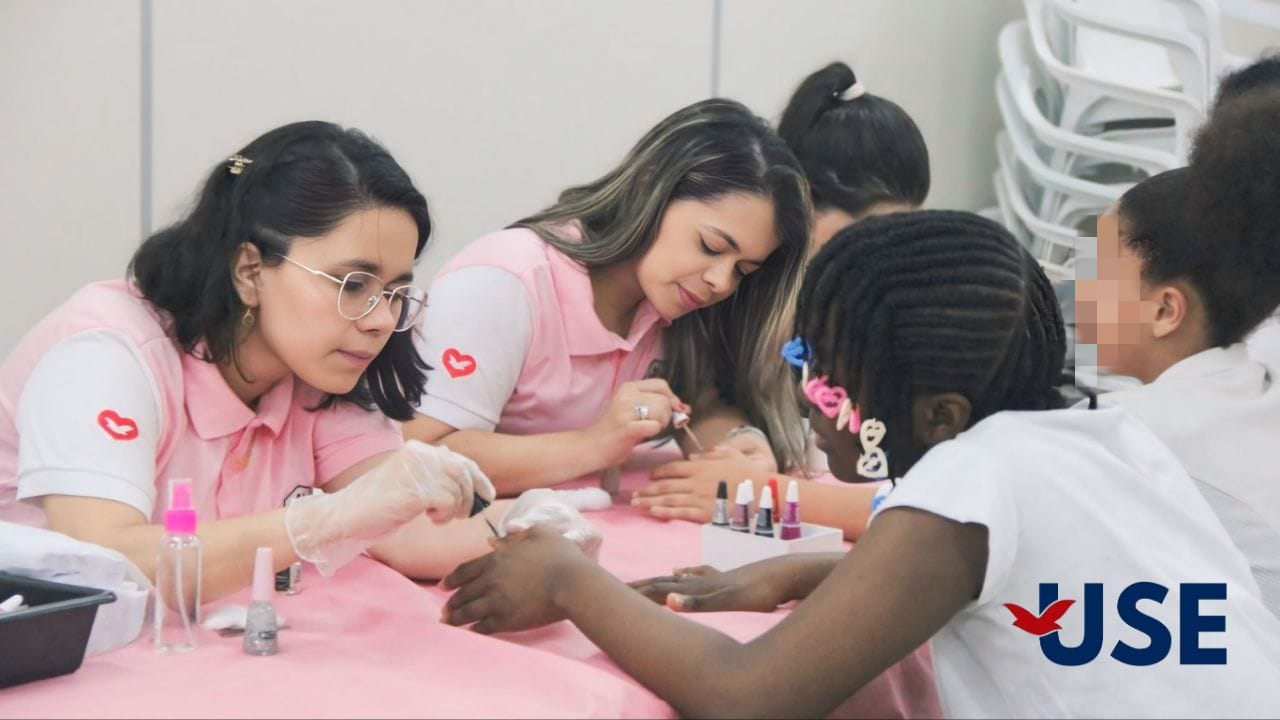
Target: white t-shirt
1219, 412
1264, 342
1077, 497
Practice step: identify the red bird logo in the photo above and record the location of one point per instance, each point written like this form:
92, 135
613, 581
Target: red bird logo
1043, 624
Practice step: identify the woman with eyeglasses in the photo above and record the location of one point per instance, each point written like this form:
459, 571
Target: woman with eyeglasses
543, 336
259, 350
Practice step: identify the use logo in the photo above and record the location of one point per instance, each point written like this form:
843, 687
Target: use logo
1191, 623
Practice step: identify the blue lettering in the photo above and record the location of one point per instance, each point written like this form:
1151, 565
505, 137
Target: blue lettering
1161, 640
1193, 623
1091, 643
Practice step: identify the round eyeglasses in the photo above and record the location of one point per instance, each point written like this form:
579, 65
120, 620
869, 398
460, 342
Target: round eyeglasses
360, 292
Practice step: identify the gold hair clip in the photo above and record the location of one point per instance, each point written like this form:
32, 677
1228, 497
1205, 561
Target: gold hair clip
238, 162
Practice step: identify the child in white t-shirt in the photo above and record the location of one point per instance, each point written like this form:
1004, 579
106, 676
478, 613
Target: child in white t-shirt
1060, 562
1188, 266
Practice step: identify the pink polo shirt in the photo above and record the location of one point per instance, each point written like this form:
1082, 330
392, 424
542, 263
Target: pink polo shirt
515, 344
98, 401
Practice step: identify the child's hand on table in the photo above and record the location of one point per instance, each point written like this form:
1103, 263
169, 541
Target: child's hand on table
514, 587
759, 586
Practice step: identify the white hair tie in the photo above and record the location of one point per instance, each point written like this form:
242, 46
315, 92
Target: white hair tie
854, 92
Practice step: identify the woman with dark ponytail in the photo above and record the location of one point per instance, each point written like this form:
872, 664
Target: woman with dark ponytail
257, 351
931, 344
862, 153
863, 156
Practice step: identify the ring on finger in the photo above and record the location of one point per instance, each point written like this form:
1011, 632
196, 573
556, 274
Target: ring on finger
642, 412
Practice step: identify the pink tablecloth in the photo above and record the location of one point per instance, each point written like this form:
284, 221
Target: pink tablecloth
368, 643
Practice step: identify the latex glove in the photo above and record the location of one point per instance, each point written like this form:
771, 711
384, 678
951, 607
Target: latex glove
329, 530
545, 507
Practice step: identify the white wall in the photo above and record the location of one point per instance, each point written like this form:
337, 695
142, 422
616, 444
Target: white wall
70, 161
935, 58
1250, 40
493, 106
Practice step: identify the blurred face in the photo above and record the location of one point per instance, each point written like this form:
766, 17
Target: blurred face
299, 322
828, 222
704, 249
1113, 311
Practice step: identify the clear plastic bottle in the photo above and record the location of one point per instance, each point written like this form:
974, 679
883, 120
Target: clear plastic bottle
177, 606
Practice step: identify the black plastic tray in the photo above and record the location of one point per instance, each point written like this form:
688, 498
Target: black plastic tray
48, 637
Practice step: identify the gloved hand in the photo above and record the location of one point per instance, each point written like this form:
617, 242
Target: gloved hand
331, 529
543, 506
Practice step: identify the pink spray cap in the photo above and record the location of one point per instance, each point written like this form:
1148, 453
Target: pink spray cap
264, 576
180, 518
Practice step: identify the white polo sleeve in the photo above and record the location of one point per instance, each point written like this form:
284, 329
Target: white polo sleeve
475, 335
88, 423
957, 481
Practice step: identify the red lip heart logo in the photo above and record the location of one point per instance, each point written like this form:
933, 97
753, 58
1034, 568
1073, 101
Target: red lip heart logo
118, 427
457, 364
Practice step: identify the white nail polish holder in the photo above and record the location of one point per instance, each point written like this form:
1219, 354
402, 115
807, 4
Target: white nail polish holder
725, 549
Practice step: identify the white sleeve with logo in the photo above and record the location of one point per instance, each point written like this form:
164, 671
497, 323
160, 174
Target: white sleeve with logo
958, 481
475, 335
88, 423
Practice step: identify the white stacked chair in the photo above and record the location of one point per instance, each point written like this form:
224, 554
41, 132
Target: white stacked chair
1096, 95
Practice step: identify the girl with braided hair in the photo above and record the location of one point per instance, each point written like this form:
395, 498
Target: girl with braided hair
933, 344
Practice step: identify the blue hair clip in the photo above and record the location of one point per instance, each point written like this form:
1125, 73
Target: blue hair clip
796, 352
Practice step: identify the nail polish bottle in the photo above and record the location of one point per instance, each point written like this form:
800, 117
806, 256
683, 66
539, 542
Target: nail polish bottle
741, 520
790, 528
764, 517
260, 626
720, 517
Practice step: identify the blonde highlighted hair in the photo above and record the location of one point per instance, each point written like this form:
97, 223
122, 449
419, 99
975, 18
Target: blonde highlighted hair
703, 152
